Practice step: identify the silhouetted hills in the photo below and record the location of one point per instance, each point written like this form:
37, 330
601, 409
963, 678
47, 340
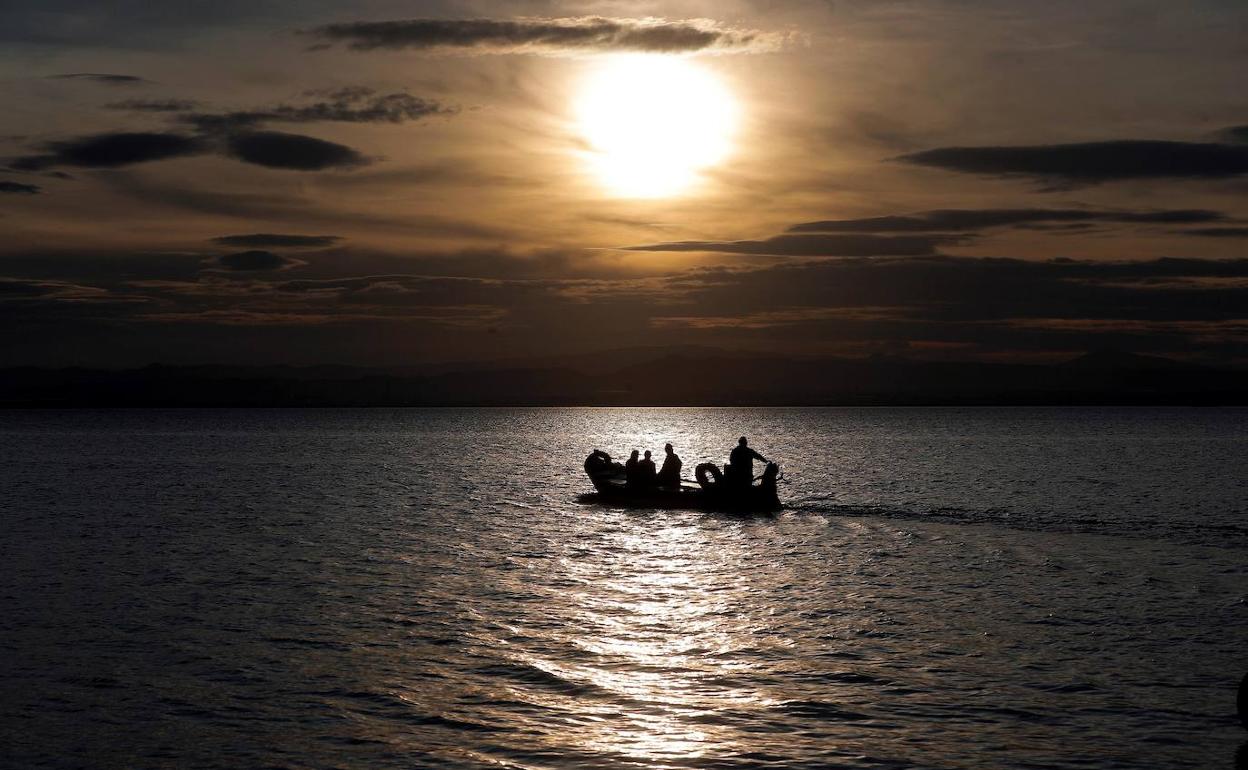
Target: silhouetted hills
636, 377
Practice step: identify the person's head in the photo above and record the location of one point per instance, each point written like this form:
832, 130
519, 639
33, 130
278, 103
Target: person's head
742, 441
647, 454
667, 448
634, 454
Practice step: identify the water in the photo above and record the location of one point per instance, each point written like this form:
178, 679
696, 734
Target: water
422, 588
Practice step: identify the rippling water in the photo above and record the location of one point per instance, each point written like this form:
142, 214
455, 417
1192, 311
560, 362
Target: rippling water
422, 588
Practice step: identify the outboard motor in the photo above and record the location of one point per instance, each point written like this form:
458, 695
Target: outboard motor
771, 475
768, 486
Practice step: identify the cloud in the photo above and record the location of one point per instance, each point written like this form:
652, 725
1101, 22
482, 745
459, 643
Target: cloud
296, 152
346, 105
430, 298
15, 288
27, 290
255, 260
154, 105
965, 220
833, 245
1217, 232
104, 78
235, 134
777, 318
294, 207
277, 240
992, 307
1089, 163
585, 34
976, 305
17, 188
986, 305
112, 150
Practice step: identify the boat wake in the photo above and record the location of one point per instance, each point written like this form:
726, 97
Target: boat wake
1031, 521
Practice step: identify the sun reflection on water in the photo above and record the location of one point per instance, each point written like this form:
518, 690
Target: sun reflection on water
658, 623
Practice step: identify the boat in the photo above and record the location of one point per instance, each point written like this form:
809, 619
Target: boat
710, 492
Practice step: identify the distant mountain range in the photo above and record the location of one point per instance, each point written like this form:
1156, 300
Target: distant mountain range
657, 377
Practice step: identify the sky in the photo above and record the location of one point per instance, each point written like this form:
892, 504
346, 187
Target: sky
409, 183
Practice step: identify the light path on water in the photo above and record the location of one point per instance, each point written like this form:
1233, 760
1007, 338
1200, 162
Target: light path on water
420, 588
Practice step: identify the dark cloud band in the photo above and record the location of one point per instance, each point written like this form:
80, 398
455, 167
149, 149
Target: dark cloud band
546, 36
104, 78
1218, 232
277, 241
295, 152
112, 150
347, 105
817, 245
271, 149
1093, 162
17, 188
996, 305
966, 220
154, 105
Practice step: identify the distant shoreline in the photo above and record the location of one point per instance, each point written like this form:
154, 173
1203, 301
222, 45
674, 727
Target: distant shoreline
667, 379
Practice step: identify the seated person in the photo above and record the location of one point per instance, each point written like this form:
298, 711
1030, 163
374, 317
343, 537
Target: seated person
647, 476
630, 469
669, 474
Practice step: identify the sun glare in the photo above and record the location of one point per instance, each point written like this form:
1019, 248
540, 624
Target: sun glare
654, 123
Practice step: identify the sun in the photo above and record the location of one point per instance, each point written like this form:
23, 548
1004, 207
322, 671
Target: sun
654, 123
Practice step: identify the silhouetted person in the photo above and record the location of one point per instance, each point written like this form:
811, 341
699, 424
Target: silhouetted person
669, 474
646, 474
741, 464
630, 469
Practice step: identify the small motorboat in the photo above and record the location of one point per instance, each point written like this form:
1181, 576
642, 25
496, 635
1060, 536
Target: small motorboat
711, 492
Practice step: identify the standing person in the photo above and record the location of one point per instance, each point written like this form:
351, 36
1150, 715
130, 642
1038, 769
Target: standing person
630, 469
741, 460
646, 473
669, 474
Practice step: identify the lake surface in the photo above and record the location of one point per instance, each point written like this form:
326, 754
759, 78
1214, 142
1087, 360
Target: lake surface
949, 588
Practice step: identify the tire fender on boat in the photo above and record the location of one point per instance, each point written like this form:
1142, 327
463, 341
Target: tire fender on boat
708, 475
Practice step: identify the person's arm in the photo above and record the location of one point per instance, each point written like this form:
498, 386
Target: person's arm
759, 457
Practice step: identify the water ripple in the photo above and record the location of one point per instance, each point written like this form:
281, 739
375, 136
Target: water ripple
948, 588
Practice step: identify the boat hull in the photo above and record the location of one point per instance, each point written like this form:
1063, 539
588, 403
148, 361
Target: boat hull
755, 499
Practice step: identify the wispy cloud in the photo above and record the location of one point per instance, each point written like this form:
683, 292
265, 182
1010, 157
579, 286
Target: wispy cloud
344, 105
583, 34
817, 245
254, 260
966, 220
103, 78
154, 105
